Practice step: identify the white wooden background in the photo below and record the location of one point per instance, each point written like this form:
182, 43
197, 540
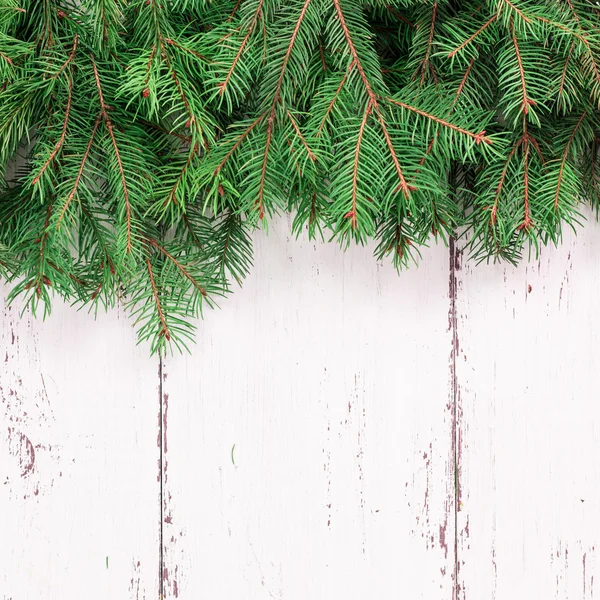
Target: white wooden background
338, 432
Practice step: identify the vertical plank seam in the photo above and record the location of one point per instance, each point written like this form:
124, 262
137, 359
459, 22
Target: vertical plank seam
161, 557
453, 291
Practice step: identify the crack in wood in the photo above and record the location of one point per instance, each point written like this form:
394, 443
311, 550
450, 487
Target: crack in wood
161, 432
454, 267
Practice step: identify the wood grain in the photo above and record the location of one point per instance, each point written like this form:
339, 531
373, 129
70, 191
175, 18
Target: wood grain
79, 471
330, 376
529, 425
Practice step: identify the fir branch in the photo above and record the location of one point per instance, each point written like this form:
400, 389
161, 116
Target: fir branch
355, 58
322, 56
272, 113
61, 139
352, 213
171, 42
335, 97
589, 51
178, 265
223, 86
517, 11
425, 66
526, 102
500, 187
263, 173
234, 11
146, 91
237, 144
164, 330
527, 223
463, 81
478, 137
403, 185
537, 148
310, 153
563, 75
464, 44
286, 58
565, 156
111, 133
69, 60
84, 160
400, 16
172, 196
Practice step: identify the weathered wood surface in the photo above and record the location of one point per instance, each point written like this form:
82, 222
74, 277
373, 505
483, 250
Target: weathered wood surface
528, 444
79, 470
330, 376
337, 432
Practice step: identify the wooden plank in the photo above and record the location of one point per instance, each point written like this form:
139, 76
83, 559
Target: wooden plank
307, 440
529, 425
79, 500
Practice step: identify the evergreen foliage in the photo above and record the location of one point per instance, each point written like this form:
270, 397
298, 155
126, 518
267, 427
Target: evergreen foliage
142, 141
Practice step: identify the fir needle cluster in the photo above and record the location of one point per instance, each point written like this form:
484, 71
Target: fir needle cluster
142, 141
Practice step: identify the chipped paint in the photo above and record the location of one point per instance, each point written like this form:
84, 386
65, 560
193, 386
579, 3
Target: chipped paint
76, 458
22, 449
136, 589
170, 557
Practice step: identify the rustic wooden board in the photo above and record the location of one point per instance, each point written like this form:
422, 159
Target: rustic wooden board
79, 461
529, 425
307, 441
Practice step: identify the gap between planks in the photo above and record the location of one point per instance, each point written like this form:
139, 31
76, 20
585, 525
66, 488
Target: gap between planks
454, 257
161, 557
